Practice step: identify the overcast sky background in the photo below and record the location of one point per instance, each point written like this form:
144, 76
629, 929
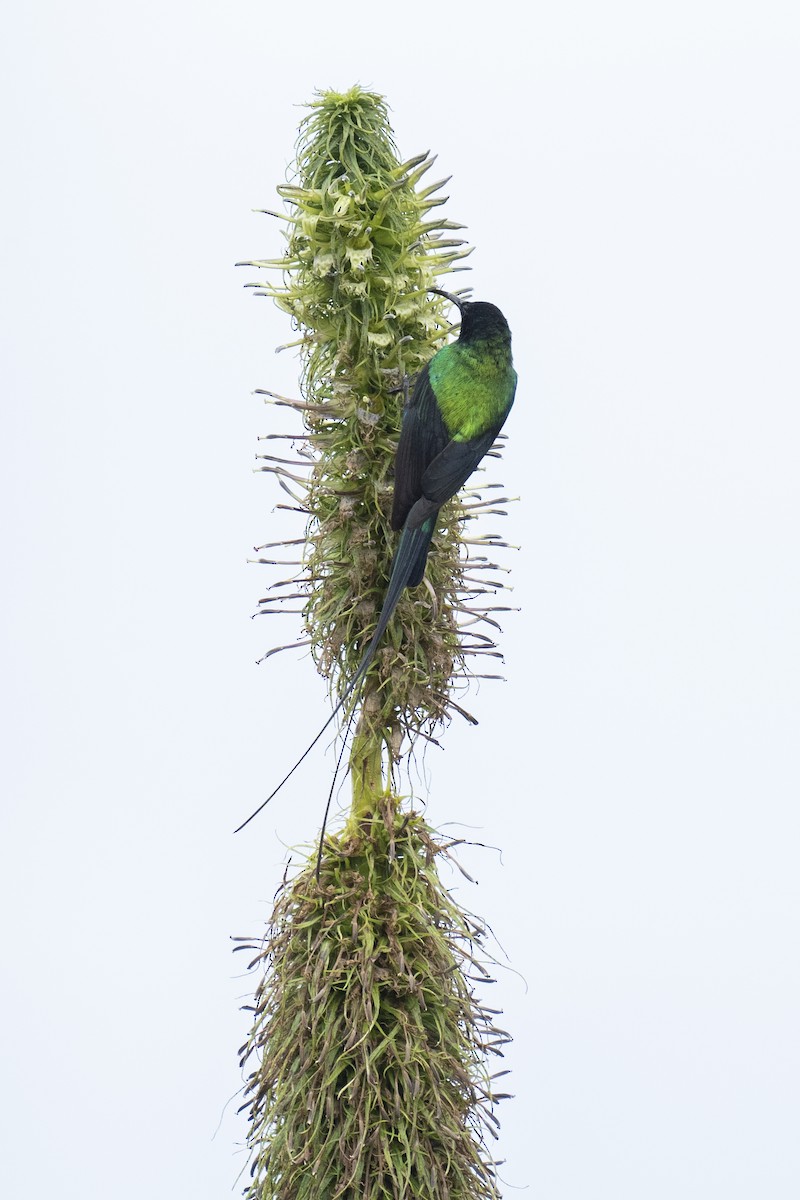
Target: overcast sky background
629, 175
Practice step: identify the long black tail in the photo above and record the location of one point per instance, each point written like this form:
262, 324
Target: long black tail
412, 547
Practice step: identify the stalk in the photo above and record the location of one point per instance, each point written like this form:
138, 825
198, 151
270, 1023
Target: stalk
366, 1063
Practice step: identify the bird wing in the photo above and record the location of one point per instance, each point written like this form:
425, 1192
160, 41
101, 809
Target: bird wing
423, 436
451, 468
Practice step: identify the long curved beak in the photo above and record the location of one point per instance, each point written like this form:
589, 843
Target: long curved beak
449, 296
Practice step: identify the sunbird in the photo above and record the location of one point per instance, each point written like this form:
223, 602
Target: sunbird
458, 405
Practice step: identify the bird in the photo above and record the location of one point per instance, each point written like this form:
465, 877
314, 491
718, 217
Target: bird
458, 405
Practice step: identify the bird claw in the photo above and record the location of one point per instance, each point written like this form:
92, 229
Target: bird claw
403, 387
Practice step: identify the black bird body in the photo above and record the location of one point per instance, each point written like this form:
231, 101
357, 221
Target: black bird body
458, 406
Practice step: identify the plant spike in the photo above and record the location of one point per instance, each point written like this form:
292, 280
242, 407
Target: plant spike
362, 258
366, 1065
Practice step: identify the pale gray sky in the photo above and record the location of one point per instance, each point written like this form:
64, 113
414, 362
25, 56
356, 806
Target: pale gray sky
629, 175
